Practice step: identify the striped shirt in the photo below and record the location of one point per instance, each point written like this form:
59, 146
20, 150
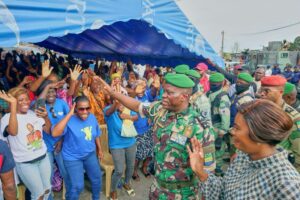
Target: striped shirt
271, 178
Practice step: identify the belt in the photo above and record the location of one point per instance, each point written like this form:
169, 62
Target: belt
176, 185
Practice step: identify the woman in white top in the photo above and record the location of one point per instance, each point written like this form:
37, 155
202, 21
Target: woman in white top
23, 129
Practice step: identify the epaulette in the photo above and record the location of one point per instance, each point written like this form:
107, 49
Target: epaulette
292, 111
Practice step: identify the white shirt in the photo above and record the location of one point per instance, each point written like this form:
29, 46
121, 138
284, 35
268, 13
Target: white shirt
28, 144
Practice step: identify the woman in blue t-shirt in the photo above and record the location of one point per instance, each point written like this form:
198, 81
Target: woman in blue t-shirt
81, 136
123, 149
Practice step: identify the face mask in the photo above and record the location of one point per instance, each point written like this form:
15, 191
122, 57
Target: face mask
214, 88
240, 88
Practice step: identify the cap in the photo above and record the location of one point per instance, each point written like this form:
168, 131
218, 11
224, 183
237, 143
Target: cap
274, 80
193, 73
216, 77
201, 67
245, 77
288, 88
179, 80
181, 69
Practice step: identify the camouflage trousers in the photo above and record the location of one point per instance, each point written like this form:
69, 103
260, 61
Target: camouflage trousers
159, 193
222, 159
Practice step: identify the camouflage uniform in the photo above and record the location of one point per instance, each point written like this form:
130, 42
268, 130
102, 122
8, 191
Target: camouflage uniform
201, 105
220, 112
292, 143
174, 178
296, 105
238, 100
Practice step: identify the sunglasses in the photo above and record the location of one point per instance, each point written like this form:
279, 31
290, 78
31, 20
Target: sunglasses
83, 109
53, 113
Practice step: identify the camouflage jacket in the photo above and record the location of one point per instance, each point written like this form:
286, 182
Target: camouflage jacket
201, 105
171, 134
223, 110
292, 143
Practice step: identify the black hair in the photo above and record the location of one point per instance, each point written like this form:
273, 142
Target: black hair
81, 98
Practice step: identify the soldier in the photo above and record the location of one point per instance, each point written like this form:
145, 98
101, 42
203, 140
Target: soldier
290, 96
199, 100
272, 88
220, 114
242, 95
181, 69
175, 123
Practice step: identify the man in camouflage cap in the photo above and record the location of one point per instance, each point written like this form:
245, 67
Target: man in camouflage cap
220, 114
199, 100
272, 88
181, 69
175, 123
242, 95
290, 96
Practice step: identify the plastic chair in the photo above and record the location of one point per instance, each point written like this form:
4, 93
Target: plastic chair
107, 162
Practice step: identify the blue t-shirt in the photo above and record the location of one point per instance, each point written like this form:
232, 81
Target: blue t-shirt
7, 162
79, 137
142, 125
55, 113
114, 126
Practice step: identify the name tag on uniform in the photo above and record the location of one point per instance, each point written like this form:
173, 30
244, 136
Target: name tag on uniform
179, 139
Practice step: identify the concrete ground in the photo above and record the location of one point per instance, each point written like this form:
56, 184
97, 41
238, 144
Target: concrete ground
141, 189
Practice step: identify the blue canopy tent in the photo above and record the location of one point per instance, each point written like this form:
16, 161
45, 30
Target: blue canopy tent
144, 31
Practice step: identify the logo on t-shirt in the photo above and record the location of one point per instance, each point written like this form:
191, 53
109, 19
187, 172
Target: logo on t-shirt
34, 138
88, 133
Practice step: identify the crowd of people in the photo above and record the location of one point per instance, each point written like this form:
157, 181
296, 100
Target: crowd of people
202, 133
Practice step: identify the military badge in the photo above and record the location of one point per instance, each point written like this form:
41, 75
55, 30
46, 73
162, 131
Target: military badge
179, 139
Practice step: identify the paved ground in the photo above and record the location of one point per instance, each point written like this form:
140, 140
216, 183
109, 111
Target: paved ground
141, 189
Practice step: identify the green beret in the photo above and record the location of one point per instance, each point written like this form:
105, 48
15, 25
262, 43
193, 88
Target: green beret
179, 80
245, 77
181, 69
288, 88
193, 73
216, 77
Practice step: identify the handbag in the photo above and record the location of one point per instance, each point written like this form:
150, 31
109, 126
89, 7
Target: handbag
128, 129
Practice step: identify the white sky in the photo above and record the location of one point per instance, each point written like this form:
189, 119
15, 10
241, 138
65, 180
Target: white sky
240, 17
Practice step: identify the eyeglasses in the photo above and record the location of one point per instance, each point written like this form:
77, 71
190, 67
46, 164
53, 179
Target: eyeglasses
53, 112
83, 109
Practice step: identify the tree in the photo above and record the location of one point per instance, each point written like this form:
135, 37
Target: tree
295, 46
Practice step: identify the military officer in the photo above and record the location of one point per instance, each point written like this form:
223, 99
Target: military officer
290, 96
175, 123
272, 88
220, 114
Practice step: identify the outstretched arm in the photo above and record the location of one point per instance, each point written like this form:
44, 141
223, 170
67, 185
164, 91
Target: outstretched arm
128, 102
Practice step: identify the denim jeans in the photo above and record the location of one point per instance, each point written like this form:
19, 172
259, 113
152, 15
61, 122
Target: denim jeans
120, 157
36, 177
61, 167
75, 170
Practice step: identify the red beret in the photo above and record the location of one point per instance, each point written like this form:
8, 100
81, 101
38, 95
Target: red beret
273, 81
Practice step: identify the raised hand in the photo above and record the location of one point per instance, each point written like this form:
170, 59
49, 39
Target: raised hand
7, 97
108, 89
76, 72
46, 69
72, 110
41, 112
210, 62
57, 85
196, 156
